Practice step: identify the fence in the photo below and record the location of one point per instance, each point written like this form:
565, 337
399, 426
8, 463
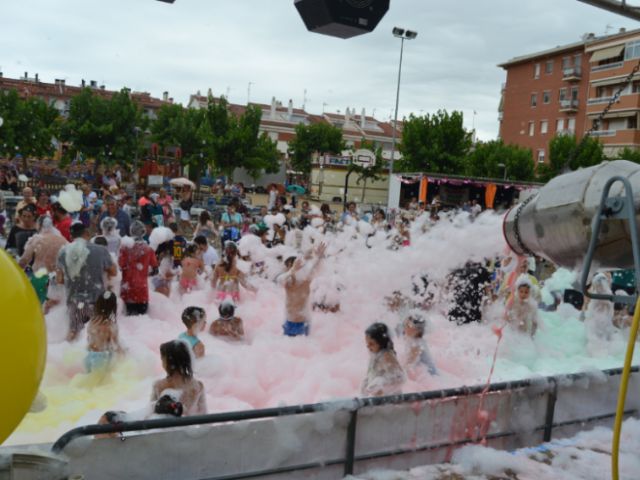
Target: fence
328, 440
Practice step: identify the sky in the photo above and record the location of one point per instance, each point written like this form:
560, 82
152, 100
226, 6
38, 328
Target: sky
260, 49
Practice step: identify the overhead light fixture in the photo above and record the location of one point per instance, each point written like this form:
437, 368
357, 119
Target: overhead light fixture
398, 32
410, 34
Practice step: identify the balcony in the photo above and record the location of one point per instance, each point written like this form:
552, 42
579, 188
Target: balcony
572, 74
607, 66
569, 106
604, 133
598, 100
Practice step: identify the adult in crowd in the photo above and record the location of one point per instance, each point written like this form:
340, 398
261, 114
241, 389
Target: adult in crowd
24, 229
114, 211
136, 262
43, 205
81, 267
27, 198
61, 220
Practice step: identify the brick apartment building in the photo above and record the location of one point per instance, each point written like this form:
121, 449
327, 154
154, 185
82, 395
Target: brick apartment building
563, 89
59, 94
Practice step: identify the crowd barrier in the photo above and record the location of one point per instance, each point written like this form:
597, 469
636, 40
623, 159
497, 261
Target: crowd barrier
329, 440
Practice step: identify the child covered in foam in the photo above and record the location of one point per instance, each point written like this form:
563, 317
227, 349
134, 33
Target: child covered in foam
417, 358
522, 312
102, 333
384, 374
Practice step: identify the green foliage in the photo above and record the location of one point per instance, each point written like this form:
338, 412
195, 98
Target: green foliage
631, 154
322, 137
435, 143
566, 154
373, 172
494, 159
28, 128
107, 130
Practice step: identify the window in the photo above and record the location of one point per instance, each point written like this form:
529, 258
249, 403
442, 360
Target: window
546, 96
532, 129
577, 61
563, 94
559, 125
541, 155
632, 50
601, 92
548, 67
571, 125
544, 126
574, 93
566, 62
635, 87
534, 99
632, 123
536, 70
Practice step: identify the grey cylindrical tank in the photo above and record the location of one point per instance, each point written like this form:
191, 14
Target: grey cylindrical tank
556, 222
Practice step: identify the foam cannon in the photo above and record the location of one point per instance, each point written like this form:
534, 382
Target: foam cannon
582, 218
559, 221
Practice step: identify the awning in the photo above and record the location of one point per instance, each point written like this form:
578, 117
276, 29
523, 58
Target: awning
606, 53
615, 114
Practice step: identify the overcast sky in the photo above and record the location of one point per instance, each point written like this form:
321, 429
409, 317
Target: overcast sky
226, 44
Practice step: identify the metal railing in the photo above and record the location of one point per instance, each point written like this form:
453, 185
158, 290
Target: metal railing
607, 66
572, 73
604, 133
545, 385
596, 100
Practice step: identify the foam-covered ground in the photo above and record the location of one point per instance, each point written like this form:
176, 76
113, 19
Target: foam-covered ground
587, 456
268, 369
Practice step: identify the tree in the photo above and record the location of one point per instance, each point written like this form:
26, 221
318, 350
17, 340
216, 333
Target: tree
184, 128
322, 138
630, 154
102, 129
566, 154
436, 143
28, 128
494, 159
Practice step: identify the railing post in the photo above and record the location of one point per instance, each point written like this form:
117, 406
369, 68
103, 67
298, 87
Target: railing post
551, 408
351, 443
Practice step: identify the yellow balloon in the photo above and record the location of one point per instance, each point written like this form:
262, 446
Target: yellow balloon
23, 345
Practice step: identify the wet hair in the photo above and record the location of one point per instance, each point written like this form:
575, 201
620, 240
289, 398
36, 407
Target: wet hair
417, 321
325, 209
173, 226
77, 229
106, 305
191, 250
200, 240
227, 309
289, 261
177, 358
100, 240
204, 217
28, 208
379, 333
192, 315
167, 405
227, 261
56, 207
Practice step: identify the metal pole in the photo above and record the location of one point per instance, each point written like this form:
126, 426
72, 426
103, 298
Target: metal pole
135, 169
395, 117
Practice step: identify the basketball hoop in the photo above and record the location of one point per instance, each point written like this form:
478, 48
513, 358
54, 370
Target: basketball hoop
364, 158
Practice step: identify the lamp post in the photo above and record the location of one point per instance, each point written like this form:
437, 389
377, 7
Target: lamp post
136, 131
403, 35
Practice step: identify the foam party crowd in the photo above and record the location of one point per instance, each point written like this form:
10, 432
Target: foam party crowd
161, 315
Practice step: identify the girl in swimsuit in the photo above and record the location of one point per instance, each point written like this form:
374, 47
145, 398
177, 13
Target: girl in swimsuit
191, 267
102, 333
226, 276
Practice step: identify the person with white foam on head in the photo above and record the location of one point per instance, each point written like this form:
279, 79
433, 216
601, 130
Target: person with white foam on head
81, 267
297, 287
228, 324
522, 313
136, 261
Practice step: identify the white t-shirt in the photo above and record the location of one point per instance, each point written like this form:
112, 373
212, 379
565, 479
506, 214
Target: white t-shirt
210, 257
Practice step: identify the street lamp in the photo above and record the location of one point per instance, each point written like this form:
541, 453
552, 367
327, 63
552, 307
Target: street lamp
403, 35
136, 131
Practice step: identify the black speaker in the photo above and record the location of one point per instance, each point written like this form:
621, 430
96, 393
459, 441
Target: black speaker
342, 18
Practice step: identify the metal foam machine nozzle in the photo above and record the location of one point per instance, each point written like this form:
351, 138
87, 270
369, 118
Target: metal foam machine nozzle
556, 222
